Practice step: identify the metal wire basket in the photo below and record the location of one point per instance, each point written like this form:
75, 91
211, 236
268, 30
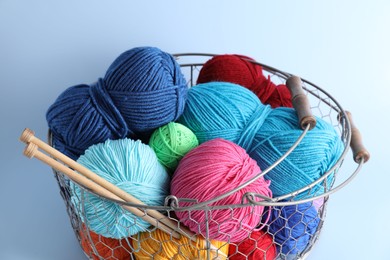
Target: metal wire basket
323, 105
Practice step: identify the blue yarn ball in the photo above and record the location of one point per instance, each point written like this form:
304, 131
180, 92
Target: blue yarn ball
142, 90
224, 110
230, 111
293, 227
133, 167
314, 156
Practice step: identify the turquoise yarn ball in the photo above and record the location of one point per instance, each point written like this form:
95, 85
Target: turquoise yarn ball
133, 167
318, 151
232, 112
224, 110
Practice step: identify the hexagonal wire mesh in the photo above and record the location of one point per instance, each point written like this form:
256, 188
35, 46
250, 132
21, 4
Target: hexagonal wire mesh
293, 237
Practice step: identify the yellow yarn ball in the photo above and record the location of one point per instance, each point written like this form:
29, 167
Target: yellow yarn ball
171, 142
160, 245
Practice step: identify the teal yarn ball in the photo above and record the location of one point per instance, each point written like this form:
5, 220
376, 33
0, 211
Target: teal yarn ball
232, 112
133, 167
224, 110
318, 151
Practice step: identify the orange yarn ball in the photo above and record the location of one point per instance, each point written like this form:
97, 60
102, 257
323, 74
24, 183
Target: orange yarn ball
104, 247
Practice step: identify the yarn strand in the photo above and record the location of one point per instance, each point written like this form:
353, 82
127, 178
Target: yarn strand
142, 90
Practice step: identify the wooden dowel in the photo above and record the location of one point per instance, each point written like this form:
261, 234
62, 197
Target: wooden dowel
31, 151
300, 102
29, 137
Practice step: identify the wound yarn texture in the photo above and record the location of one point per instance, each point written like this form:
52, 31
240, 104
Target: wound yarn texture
142, 90
258, 245
171, 142
133, 167
160, 245
212, 169
243, 70
97, 246
293, 227
232, 112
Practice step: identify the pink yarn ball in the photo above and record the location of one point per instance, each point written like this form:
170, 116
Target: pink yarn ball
318, 203
212, 169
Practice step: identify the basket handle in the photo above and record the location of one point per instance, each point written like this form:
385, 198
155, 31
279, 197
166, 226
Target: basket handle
358, 149
300, 102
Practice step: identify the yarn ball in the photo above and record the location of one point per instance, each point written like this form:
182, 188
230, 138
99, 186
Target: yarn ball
232, 112
160, 245
171, 142
319, 204
210, 170
293, 227
243, 70
142, 90
98, 247
259, 245
133, 167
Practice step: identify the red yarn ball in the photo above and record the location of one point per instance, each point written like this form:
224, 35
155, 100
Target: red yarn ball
240, 70
104, 247
259, 245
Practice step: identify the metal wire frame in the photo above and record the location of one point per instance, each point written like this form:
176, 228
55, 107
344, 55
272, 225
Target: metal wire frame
288, 199
77, 220
249, 199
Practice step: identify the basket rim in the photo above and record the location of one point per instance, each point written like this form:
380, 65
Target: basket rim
172, 203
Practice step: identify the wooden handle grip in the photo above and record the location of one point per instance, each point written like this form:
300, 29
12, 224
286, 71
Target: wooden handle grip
300, 102
358, 149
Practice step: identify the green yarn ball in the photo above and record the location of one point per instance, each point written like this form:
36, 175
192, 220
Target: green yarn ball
171, 142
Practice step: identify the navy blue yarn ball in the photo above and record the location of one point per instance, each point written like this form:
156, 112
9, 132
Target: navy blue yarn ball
142, 90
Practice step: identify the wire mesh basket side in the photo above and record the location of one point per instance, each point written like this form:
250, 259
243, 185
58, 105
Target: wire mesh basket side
323, 106
138, 246
150, 244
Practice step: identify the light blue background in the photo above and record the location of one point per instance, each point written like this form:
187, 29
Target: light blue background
47, 46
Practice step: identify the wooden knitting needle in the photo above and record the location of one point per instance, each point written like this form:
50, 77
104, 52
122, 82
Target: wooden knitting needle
31, 151
162, 222
28, 136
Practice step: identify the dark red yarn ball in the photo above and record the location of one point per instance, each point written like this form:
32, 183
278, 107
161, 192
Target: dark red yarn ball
259, 245
240, 70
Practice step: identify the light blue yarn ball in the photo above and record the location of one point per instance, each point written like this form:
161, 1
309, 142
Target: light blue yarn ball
232, 112
133, 167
